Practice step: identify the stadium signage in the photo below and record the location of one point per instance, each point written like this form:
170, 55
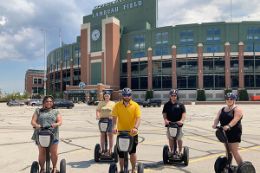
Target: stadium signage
111, 9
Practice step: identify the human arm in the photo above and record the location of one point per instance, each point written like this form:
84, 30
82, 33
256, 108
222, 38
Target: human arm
137, 124
183, 115
166, 121
58, 121
34, 120
216, 120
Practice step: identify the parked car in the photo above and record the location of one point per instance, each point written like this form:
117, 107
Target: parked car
14, 103
139, 101
152, 102
34, 102
63, 103
93, 102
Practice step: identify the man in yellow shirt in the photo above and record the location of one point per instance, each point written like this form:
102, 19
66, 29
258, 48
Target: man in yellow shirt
126, 115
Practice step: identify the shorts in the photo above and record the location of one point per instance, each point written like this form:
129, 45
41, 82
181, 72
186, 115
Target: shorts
234, 136
179, 136
109, 129
135, 143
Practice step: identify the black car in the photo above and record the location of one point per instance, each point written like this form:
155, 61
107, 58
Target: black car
62, 103
152, 102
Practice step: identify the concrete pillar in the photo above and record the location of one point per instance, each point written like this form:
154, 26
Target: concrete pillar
241, 64
174, 66
200, 66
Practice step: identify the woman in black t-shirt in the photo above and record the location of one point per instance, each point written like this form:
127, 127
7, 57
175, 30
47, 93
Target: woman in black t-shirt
174, 111
229, 118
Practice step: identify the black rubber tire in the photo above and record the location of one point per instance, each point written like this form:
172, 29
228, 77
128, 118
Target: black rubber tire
140, 168
35, 167
165, 154
112, 168
97, 153
115, 154
186, 156
63, 166
246, 167
220, 164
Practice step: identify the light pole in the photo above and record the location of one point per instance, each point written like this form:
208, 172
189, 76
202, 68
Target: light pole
44, 61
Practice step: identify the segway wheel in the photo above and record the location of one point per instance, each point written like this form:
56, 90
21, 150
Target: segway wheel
246, 167
186, 156
115, 154
63, 166
35, 167
112, 168
140, 168
97, 153
220, 164
165, 154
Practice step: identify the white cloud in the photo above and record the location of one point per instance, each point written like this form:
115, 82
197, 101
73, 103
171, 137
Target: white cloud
3, 20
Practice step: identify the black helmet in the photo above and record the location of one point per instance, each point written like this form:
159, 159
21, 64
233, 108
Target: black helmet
173, 92
126, 92
231, 96
106, 92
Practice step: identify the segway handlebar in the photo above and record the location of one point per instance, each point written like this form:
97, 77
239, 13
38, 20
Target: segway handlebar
173, 124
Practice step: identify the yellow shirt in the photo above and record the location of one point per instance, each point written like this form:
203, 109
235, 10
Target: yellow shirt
126, 115
105, 109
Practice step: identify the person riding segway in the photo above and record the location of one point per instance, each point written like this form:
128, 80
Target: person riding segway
46, 135
126, 121
174, 114
229, 132
103, 114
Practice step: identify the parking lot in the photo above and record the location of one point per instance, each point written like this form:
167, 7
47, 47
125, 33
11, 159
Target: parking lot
79, 134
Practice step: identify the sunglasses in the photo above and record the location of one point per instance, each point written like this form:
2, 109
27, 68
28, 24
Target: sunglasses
229, 99
126, 95
173, 95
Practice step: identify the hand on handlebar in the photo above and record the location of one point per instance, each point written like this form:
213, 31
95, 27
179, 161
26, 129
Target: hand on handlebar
214, 126
180, 123
134, 131
114, 131
166, 122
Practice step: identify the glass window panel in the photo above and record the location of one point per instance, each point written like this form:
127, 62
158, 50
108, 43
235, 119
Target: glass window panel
157, 67
181, 82
234, 81
219, 81
123, 83
208, 81
143, 68
167, 67
135, 83
249, 81
166, 82
257, 81
124, 69
143, 83
192, 82
135, 68
157, 82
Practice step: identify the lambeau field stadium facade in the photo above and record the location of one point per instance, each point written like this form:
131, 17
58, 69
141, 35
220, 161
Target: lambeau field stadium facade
121, 46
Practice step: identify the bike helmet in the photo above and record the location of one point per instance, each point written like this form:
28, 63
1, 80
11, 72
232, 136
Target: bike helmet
173, 92
106, 92
231, 95
126, 92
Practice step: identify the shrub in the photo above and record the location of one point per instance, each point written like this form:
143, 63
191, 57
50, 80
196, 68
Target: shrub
242, 95
149, 94
201, 96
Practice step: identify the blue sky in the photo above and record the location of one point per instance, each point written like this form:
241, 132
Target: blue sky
22, 40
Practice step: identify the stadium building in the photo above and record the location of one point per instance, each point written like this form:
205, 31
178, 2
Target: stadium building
121, 46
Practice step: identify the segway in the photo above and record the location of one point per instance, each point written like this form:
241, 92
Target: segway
168, 157
124, 144
223, 164
98, 156
45, 138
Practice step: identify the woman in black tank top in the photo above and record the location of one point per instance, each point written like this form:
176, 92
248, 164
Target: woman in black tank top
229, 118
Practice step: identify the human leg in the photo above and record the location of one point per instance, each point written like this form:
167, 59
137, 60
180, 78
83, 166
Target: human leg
54, 156
234, 150
41, 157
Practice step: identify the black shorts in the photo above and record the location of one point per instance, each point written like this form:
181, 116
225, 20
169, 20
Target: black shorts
234, 136
135, 143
